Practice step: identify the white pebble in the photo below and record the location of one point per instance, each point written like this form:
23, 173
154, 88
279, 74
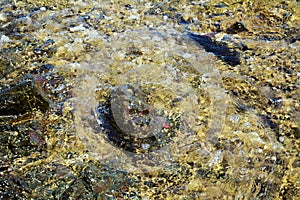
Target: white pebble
77, 28
4, 38
281, 138
145, 146
3, 17
234, 118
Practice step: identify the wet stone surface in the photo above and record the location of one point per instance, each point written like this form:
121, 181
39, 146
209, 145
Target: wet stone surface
143, 129
22, 97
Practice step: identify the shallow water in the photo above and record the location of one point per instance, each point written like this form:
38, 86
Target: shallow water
167, 100
167, 65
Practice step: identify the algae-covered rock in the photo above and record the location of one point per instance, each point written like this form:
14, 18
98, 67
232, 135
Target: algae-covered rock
22, 97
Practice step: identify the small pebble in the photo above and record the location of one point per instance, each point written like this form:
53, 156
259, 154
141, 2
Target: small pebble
145, 146
281, 139
3, 17
234, 118
4, 38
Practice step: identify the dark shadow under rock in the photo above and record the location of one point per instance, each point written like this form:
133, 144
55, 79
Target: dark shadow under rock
237, 28
219, 49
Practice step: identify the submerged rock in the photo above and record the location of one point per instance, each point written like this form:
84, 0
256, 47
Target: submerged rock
22, 97
151, 92
132, 124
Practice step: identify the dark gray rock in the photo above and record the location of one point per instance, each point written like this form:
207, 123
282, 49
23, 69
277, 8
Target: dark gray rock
22, 97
